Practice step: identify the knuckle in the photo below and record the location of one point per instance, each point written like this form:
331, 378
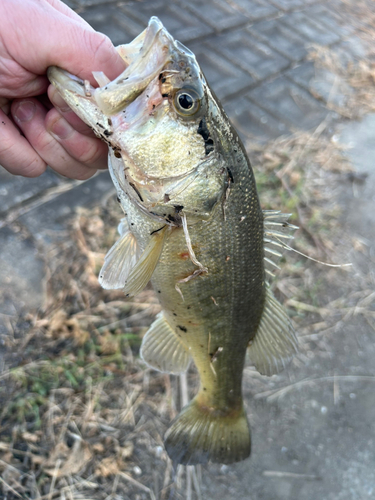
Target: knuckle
5, 148
43, 142
100, 45
35, 168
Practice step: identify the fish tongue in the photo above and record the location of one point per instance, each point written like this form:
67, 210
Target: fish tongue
146, 61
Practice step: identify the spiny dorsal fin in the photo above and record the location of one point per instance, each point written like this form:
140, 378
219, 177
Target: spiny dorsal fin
275, 341
120, 260
277, 232
141, 273
162, 349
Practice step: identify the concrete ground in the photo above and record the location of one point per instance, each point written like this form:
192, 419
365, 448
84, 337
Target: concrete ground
315, 441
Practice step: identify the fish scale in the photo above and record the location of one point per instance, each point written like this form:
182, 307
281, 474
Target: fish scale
193, 226
236, 284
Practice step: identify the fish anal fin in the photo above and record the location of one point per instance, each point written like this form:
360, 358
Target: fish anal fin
119, 262
201, 434
275, 341
141, 273
162, 349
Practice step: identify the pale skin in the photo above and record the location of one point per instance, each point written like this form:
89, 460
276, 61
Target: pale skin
37, 128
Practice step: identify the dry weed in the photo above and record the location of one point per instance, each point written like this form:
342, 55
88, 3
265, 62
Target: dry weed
354, 70
81, 416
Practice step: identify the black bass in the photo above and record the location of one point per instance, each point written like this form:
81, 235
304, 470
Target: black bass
193, 226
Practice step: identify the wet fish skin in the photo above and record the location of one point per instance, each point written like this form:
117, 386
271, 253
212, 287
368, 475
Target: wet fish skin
188, 191
214, 316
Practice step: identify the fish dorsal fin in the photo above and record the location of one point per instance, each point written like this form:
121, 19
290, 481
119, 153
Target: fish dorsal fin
277, 232
275, 341
141, 273
119, 261
162, 349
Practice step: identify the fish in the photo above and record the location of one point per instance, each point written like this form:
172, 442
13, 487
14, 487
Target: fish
194, 227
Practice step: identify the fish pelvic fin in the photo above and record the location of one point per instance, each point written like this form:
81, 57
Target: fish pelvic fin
200, 434
162, 349
275, 341
119, 261
141, 273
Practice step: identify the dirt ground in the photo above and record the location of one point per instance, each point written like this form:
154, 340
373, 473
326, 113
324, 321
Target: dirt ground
81, 417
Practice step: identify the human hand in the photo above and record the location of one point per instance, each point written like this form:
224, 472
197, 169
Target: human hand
34, 35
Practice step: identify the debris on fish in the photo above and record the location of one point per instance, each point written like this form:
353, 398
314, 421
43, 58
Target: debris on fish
194, 227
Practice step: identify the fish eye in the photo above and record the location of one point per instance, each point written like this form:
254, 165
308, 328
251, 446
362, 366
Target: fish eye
186, 102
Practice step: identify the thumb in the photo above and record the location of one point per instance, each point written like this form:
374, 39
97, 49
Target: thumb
57, 39
90, 51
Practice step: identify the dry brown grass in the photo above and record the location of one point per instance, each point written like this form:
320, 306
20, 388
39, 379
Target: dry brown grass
355, 80
81, 416
355, 76
304, 174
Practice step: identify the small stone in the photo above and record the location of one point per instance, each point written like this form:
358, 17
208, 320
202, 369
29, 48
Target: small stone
137, 470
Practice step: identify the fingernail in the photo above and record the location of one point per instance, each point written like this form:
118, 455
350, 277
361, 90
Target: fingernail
25, 111
58, 101
61, 129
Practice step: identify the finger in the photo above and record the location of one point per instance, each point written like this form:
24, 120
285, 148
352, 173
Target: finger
62, 41
67, 112
90, 51
49, 148
5, 105
90, 151
22, 83
16, 154
64, 9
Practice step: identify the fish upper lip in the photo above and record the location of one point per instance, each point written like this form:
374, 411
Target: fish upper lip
152, 57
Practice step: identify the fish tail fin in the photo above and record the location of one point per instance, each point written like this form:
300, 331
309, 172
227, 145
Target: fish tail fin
200, 434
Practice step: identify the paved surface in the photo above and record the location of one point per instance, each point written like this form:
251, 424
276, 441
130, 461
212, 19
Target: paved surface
254, 54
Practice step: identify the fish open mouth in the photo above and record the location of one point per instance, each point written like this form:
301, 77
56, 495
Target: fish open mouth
146, 55
132, 112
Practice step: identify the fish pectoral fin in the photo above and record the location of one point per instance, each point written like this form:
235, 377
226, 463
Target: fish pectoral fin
119, 262
275, 341
162, 349
141, 273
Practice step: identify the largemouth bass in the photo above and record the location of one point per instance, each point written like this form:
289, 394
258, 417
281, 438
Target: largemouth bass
193, 226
